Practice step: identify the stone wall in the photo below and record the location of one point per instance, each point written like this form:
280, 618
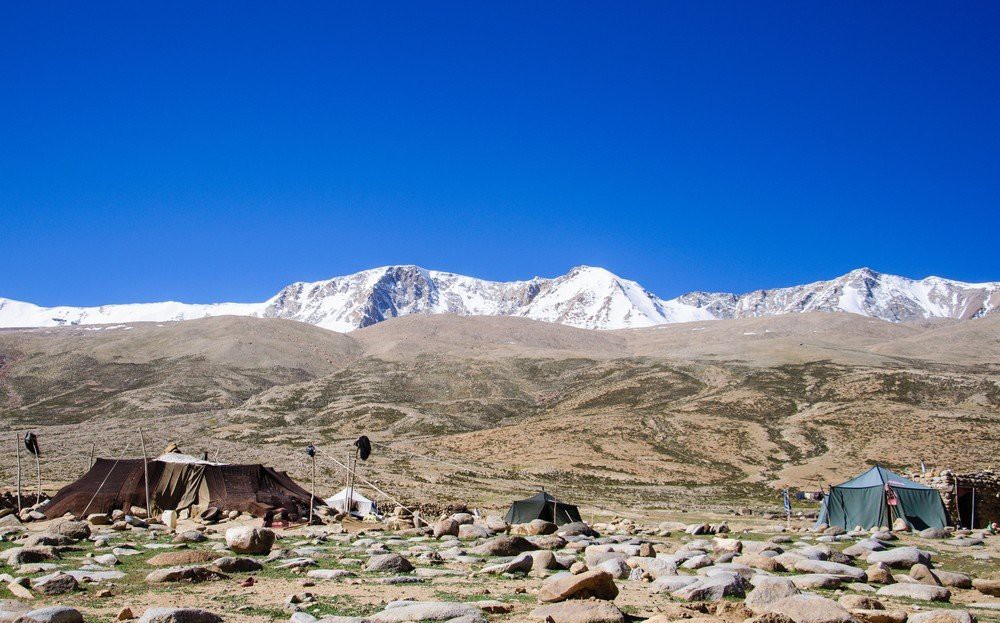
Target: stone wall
987, 499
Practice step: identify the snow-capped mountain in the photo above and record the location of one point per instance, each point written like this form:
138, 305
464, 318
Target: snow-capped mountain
584, 297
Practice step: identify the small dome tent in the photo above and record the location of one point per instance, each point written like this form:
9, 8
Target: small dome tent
542, 506
877, 498
360, 505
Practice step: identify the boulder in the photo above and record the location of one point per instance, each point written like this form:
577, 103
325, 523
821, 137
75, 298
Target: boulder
879, 616
407, 611
76, 530
505, 546
942, 616
617, 567
543, 559
250, 540
900, 557
57, 584
952, 579
924, 575
656, 567
192, 574
764, 563
236, 564
810, 609
713, 588
921, 592
548, 541
879, 573
496, 523
521, 564
446, 527
768, 590
388, 563
51, 614
579, 612
671, 583
844, 572
178, 615
470, 531
576, 528
934, 533
593, 583
189, 536
987, 587
816, 580
853, 601
534, 528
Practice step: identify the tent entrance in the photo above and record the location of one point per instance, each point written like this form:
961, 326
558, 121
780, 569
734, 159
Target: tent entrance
966, 508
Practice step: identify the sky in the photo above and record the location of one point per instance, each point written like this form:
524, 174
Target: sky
218, 151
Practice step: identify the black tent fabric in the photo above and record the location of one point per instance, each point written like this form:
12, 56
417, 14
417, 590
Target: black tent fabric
119, 485
542, 506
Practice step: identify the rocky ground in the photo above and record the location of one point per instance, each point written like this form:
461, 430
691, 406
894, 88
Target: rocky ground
468, 569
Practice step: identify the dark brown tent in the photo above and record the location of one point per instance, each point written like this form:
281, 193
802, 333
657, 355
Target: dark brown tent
180, 484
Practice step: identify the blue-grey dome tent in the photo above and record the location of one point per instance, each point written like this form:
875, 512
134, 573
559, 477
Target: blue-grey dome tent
877, 498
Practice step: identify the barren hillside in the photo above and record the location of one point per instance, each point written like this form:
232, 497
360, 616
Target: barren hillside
669, 416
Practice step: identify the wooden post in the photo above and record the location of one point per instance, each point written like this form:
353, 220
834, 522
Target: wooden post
312, 491
352, 464
38, 469
17, 451
145, 473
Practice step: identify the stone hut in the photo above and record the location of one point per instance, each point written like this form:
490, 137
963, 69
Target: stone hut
972, 498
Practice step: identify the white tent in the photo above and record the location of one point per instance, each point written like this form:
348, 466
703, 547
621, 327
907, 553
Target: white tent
360, 505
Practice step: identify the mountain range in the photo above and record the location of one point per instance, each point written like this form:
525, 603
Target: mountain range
586, 297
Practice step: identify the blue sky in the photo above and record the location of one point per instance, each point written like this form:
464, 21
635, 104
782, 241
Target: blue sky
218, 151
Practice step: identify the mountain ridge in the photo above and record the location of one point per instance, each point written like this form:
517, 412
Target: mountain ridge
586, 297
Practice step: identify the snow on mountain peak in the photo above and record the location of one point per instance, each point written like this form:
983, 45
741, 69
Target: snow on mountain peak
586, 296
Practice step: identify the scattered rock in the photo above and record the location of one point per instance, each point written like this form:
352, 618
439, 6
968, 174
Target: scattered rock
594, 583
505, 546
768, 590
179, 615
52, 614
579, 612
250, 540
234, 564
921, 592
388, 563
942, 616
900, 557
58, 584
811, 609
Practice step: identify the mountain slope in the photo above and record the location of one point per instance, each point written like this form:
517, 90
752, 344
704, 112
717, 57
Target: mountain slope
585, 297
674, 414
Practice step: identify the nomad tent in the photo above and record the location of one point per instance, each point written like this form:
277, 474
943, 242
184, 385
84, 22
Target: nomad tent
877, 498
360, 505
542, 506
177, 482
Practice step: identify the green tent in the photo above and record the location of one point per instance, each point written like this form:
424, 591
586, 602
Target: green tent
877, 498
542, 506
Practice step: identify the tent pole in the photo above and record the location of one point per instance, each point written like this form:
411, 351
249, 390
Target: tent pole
958, 507
38, 470
972, 522
312, 492
93, 451
17, 450
145, 473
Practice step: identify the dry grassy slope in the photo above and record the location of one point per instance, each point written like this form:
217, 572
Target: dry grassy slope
702, 411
